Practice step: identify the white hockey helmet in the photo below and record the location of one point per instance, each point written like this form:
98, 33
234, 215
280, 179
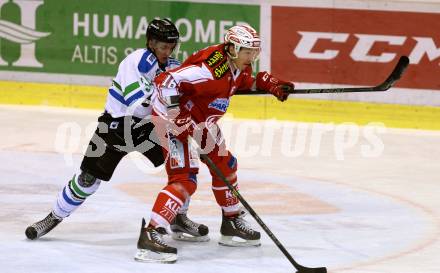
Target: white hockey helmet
243, 36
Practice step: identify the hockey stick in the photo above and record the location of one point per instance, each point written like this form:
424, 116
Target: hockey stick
300, 268
392, 78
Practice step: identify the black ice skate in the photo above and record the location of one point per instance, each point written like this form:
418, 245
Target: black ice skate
42, 227
152, 247
184, 229
236, 231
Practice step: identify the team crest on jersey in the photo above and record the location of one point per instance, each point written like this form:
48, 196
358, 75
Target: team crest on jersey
221, 70
220, 104
215, 58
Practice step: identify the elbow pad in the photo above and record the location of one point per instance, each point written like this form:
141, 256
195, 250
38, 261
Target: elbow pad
168, 92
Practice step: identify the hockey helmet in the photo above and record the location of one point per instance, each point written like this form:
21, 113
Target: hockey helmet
162, 30
243, 36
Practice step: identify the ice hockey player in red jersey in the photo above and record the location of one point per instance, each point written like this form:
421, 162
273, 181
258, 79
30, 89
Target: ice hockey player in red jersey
187, 103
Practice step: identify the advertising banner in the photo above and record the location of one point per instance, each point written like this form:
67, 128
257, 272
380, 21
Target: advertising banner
92, 37
355, 47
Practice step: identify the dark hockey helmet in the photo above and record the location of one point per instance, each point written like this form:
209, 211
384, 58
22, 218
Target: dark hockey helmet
162, 30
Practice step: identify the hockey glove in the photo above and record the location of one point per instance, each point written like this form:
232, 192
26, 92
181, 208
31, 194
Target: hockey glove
275, 86
181, 125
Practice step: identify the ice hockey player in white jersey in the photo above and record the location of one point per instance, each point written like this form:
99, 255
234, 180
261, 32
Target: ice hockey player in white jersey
124, 127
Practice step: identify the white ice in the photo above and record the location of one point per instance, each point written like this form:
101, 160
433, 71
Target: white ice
355, 215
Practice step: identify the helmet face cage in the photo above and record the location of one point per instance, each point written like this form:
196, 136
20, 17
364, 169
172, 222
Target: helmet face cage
243, 36
163, 30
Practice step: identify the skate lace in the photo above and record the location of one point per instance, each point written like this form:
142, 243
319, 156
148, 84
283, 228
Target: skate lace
243, 225
157, 238
190, 224
46, 223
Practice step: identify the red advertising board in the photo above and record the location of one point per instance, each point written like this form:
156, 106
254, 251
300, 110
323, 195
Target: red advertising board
356, 47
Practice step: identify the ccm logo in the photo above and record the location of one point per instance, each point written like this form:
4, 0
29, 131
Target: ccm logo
360, 52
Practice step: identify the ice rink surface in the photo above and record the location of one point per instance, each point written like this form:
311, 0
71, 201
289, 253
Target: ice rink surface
329, 206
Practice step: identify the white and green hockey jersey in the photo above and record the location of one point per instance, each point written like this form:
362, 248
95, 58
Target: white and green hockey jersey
131, 89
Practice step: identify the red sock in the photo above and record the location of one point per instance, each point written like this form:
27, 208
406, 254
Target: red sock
224, 197
167, 204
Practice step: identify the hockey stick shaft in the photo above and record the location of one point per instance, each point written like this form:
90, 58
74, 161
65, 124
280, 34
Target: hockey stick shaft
395, 75
218, 172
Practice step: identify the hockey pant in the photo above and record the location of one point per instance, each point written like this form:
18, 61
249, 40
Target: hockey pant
112, 140
182, 168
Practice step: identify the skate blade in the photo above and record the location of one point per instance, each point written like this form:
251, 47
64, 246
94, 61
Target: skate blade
147, 256
237, 241
180, 236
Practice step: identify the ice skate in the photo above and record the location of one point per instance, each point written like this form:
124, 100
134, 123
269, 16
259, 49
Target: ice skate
184, 229
42, 227
152, 248
235, 231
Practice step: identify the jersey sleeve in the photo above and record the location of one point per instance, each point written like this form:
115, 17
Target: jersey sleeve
130, 84
171, 85
190, 78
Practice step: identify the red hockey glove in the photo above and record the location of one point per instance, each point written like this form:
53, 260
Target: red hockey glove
181, 125
275, 86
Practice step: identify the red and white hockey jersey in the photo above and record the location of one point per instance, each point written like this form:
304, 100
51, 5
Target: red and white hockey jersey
205, 83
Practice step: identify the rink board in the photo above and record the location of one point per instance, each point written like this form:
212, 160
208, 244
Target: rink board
254, 107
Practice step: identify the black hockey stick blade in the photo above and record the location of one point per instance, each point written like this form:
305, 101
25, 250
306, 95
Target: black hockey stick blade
395, 75
218, 172
302, 269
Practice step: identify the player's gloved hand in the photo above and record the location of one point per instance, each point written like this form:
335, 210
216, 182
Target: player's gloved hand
275, 86
181, 125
